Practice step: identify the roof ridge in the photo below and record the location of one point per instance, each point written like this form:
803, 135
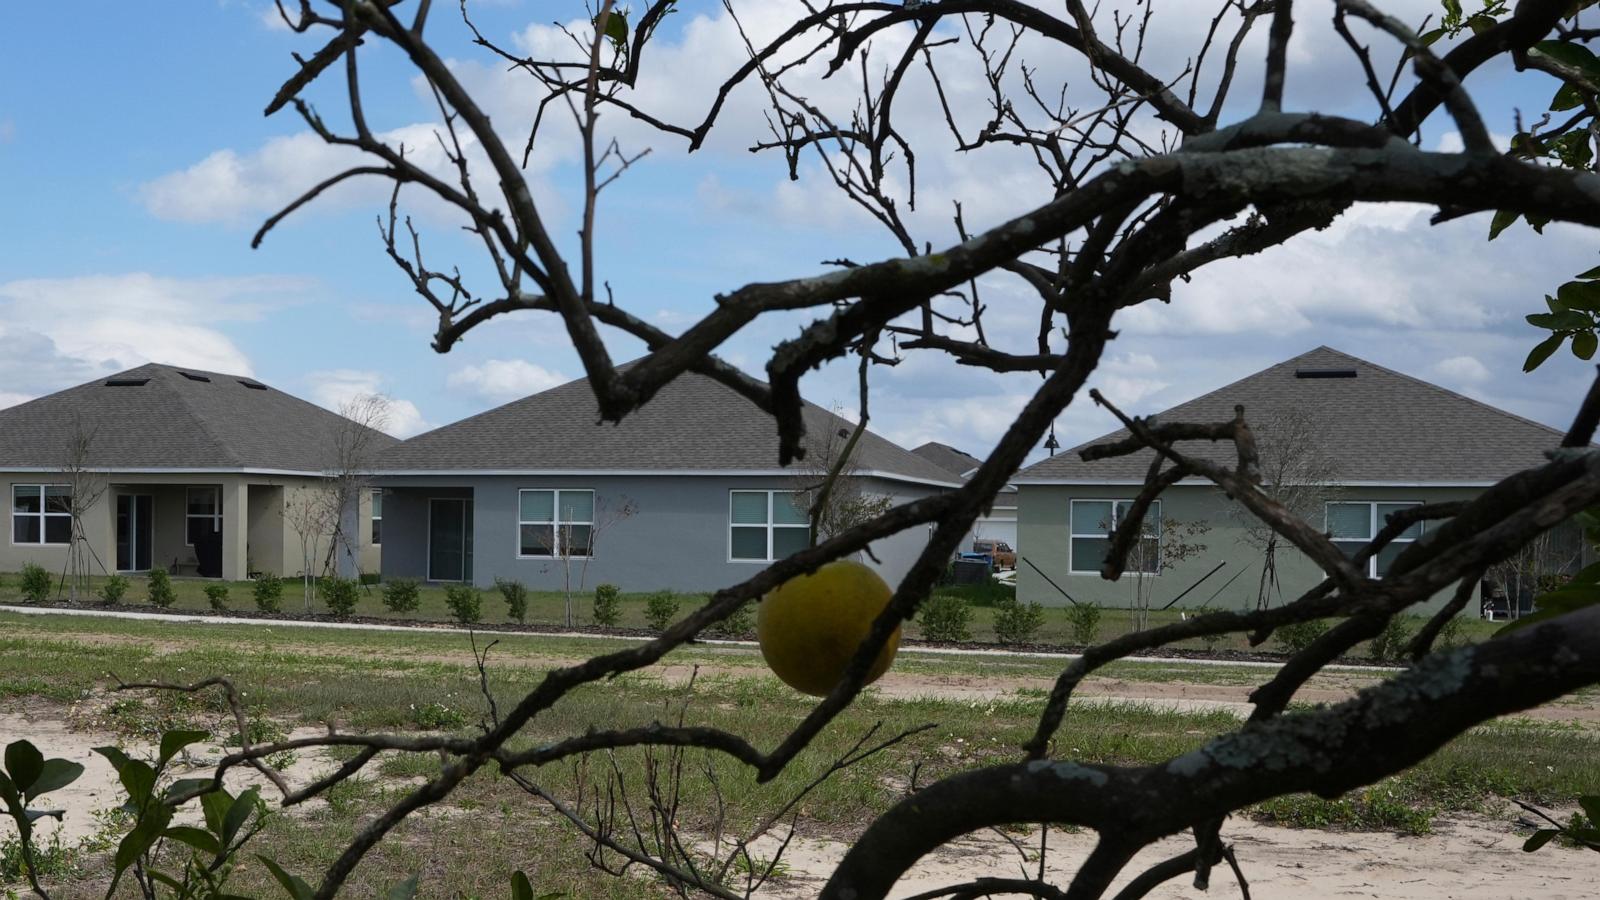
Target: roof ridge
199, 421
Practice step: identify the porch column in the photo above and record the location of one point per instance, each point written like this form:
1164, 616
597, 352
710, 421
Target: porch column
235, 529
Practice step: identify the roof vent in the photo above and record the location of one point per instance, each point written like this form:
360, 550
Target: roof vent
1324, 373
126, 382
193, 377
253, 385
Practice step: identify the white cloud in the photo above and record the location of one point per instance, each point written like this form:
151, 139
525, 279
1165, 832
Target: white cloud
504, 379
7, 398
1462, 369
95, 324
333, 388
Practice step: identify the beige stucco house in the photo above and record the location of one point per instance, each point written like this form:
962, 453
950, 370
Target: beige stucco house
199, 473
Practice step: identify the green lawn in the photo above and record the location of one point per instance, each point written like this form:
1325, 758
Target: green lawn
548, 609
415, 681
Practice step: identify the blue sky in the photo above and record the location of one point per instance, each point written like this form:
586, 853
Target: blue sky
135, 164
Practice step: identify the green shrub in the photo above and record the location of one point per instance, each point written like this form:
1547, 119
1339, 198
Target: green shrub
945, 617
607, 604
465, 603
1017, 623
34, 583
1297, 636
660, 609
340, 594
1084, 620
161, 593
1391, 642
985, 593
402, 595
739, 623
268, 592
217, 596
438, 717
1450, 636
115, 588
368, 579
516, 594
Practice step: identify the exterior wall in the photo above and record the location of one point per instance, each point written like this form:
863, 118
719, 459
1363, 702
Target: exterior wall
257, 534
677, 538
371, 556
1045, 529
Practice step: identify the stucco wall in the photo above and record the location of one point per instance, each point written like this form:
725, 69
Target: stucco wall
1044, 539
252, 509
676, 538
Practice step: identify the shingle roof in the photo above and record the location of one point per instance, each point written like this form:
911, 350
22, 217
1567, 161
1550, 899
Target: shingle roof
1381, 426
694, 424
948, 458
162, 417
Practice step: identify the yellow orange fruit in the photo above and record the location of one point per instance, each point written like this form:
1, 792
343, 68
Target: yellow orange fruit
811, 625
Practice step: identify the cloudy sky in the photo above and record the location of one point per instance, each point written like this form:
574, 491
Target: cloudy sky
135, 165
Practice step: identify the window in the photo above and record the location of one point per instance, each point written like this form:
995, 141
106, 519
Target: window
766, 525
1093, 521
41, 514
377, 517
1353, 525
202, 513
555, 523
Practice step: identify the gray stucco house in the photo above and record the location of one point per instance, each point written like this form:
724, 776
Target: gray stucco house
684, 494
1370, 440
179, 458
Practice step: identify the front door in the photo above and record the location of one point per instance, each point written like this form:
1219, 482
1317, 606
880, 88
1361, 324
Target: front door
449, 539
135, 529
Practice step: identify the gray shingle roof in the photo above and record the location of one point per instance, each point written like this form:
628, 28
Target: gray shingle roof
694, 424
174, 421
948, 458
1381, 426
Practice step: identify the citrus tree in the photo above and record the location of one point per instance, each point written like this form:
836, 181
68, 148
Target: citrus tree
1164, 159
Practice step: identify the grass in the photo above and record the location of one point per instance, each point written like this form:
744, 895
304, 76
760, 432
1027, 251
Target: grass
409, 682
548, 609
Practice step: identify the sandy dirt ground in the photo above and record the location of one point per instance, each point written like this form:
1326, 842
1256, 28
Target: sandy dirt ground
1471, 858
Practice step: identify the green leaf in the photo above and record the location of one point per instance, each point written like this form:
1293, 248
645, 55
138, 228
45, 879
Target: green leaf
1584, 295
55, 775
292, 884
1539, 839
1542, 351
185, 788
195, 837
520, 888
1564, 320
616, 29
1566, 97
1429, 38
174, 741
216, 806
405, 890
139, 780
1503, 219
1591, 808
1590, 275
8, 793
1583, 344
238, 814
136, 842
24, 762
116, 757
1573, 54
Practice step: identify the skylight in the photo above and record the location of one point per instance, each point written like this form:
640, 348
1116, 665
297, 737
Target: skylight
193, 377
126, 382
253, 385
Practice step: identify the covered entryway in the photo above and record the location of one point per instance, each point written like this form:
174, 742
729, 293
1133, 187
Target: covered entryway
450, 539
135, 532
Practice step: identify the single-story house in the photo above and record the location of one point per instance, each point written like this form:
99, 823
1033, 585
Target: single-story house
189, 471
683, 494
1349, 441
1000, 522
